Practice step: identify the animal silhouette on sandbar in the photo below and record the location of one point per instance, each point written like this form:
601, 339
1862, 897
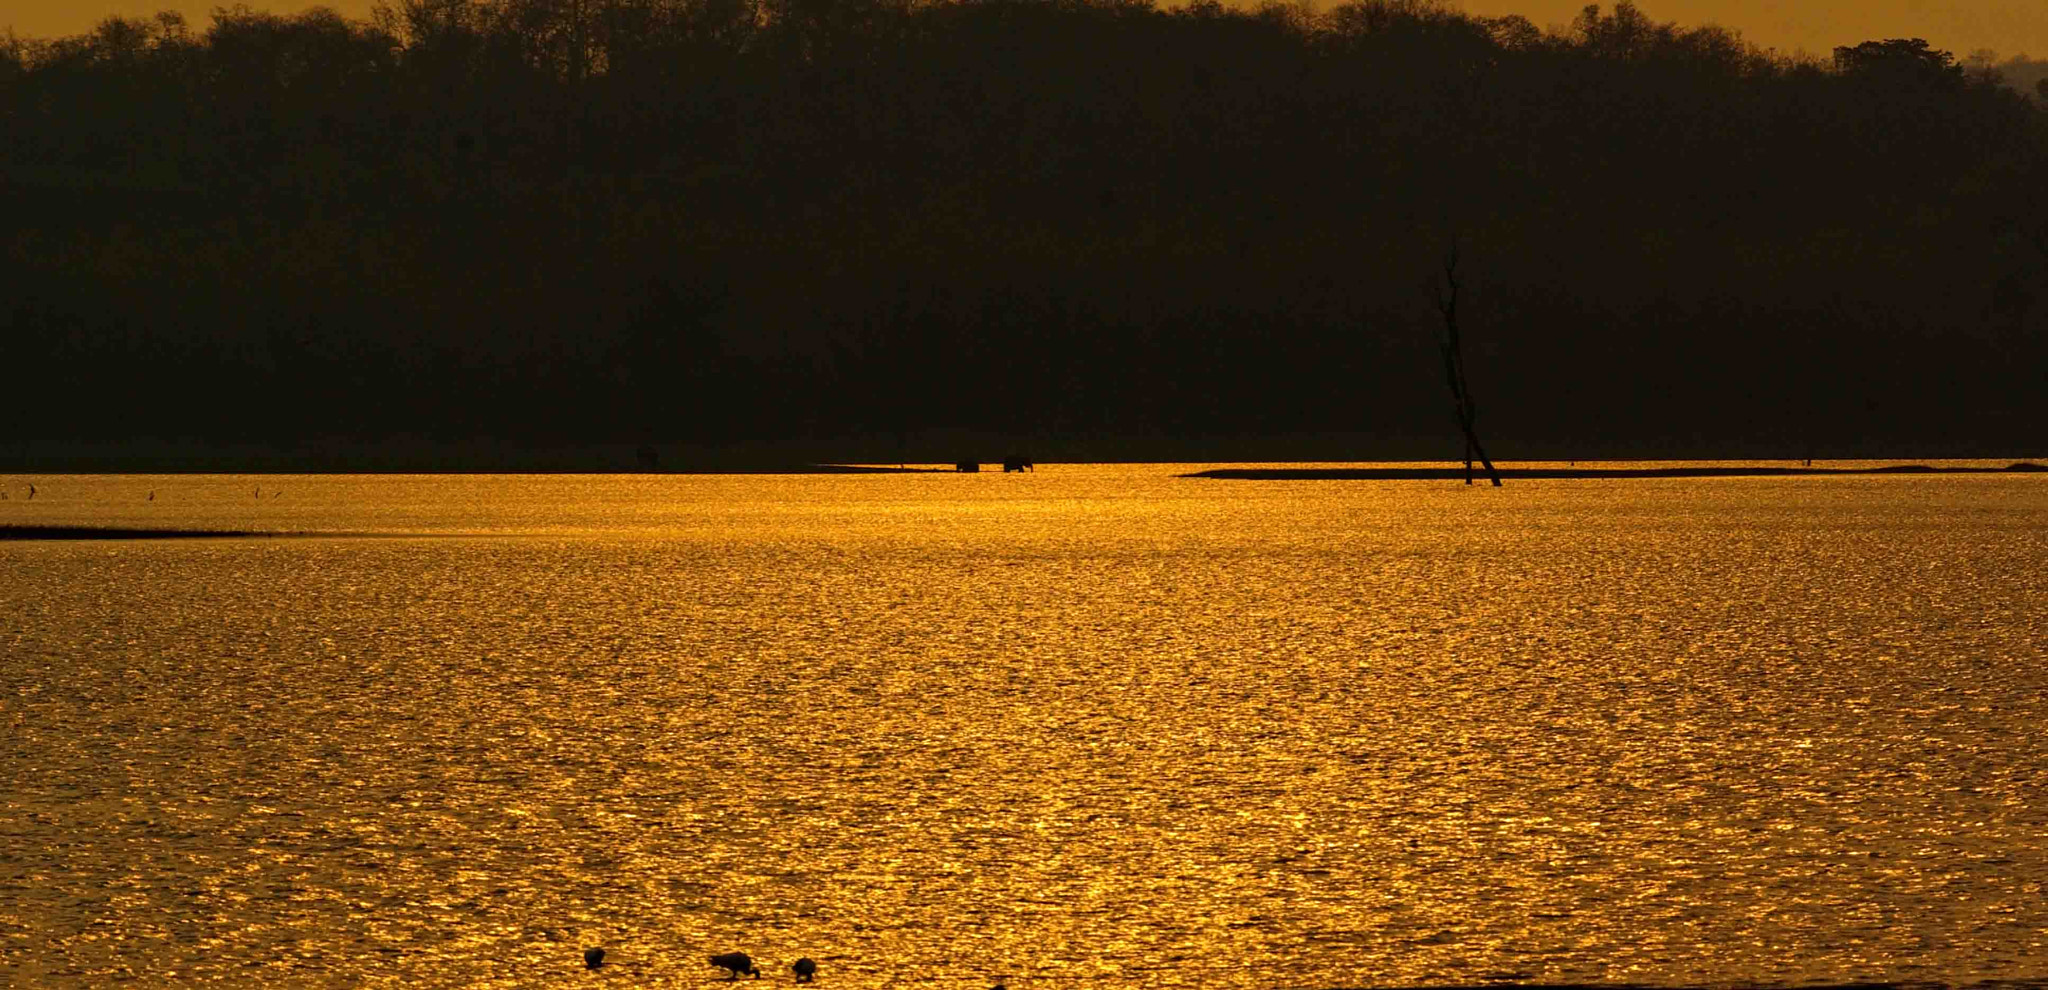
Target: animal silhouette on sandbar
736, 963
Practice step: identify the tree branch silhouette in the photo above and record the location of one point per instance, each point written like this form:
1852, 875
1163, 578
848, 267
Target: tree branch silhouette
1446, 295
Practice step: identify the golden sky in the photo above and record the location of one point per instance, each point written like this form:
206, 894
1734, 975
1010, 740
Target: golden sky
2009, 27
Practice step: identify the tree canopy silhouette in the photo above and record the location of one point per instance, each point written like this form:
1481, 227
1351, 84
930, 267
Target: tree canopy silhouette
1102, 226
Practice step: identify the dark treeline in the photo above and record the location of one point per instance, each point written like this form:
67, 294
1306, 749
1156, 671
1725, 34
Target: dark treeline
1099, 227
2020, 72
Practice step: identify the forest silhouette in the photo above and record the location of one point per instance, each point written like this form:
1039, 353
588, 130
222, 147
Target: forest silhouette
848, 229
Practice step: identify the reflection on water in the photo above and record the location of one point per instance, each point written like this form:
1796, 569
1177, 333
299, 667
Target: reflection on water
1090, 726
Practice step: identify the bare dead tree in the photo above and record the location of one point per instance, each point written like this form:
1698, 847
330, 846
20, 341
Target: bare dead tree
1446, 295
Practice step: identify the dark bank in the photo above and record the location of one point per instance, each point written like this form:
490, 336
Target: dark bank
1594, 472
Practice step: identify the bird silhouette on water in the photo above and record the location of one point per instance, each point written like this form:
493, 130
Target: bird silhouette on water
805, 969
737, 963
593, 957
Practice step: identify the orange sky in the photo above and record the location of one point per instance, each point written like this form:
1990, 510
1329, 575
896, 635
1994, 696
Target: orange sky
2008, 27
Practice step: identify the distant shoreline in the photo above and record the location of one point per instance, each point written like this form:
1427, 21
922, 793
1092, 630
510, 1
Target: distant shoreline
1588, 473
937, 457
1430, 471
13, 532
590, 465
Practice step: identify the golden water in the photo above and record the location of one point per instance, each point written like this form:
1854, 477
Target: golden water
1089, 727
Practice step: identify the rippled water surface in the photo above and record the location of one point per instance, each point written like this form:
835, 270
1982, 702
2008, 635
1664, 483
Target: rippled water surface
1089, 727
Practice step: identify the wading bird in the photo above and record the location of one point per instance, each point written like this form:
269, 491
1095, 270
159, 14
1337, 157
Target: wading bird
804, 969
593, 957
737, 963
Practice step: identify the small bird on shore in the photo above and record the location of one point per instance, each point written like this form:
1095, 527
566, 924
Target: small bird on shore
737, 963
805, 969
593, 957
